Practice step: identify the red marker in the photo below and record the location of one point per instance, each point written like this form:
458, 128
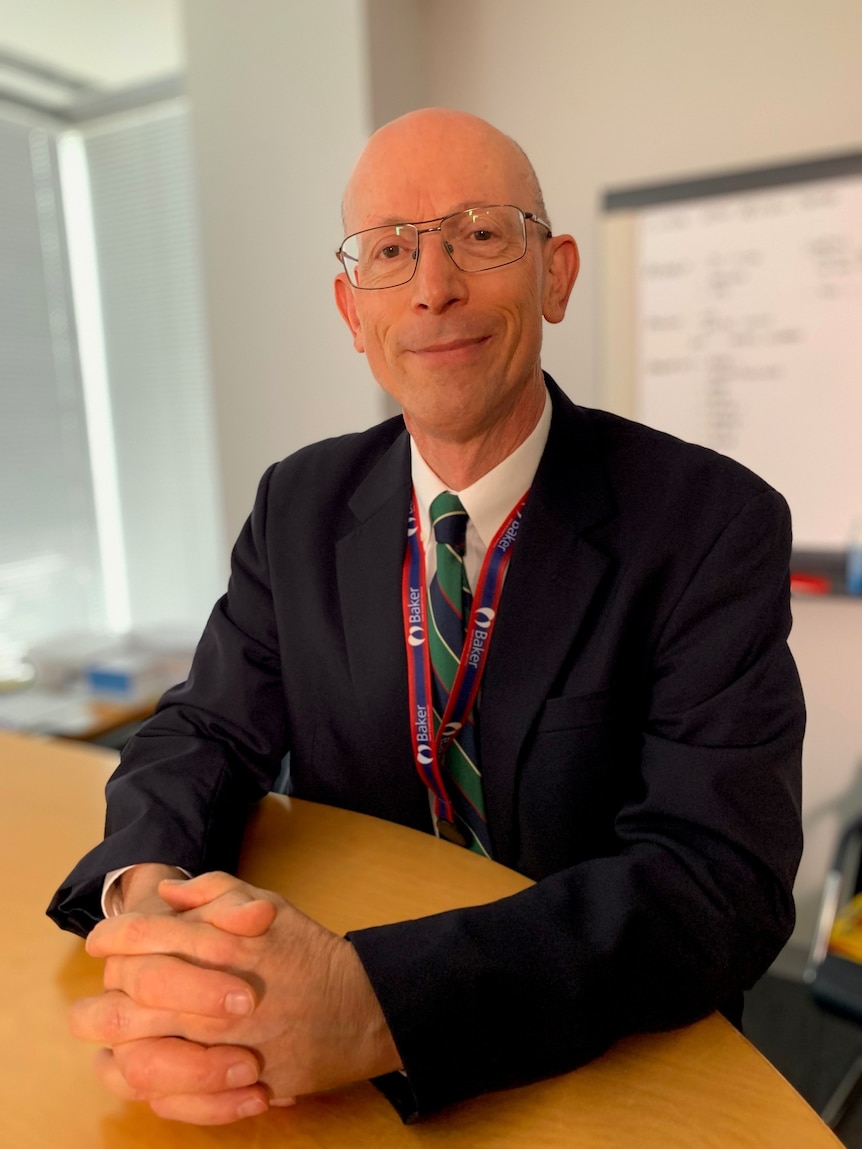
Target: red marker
801, 583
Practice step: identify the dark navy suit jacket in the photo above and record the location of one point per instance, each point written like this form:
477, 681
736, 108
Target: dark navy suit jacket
640, 723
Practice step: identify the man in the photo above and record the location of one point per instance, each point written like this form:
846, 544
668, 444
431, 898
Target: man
639, 721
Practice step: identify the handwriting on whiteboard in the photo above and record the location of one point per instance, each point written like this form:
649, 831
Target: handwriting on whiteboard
749, 339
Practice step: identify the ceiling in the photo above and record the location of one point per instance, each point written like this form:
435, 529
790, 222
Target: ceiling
54, 51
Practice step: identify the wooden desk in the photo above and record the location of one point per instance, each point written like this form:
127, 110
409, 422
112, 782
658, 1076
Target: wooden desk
703, 1086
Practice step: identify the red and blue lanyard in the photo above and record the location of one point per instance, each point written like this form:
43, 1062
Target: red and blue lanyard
428, 750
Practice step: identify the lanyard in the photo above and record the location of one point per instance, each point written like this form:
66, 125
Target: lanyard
428, 750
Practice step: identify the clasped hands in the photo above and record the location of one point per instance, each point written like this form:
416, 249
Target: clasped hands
222, 999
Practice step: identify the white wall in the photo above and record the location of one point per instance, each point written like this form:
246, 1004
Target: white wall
280, 110
608, 94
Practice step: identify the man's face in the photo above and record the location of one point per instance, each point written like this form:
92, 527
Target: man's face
457, 350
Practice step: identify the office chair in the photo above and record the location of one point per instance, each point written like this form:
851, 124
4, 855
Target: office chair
836, 980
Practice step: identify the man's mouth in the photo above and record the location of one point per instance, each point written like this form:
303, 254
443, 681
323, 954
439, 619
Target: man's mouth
450, 346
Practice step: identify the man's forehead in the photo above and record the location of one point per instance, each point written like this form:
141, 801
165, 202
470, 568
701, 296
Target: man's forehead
388, 217
427, 165
400, 197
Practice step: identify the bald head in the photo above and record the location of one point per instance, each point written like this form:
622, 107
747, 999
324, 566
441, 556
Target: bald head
439, 157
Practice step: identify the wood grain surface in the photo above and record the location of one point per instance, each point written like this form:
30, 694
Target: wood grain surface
704, 1086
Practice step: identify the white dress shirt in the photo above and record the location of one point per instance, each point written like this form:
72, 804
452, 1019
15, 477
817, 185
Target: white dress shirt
487, 502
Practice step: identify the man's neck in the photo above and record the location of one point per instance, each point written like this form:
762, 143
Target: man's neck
461, 462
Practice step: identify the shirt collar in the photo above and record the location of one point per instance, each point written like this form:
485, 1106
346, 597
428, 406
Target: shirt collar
490, 499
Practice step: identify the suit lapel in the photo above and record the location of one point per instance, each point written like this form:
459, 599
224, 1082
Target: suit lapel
554, 574
369, 561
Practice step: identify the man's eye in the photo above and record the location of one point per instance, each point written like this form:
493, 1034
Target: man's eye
387, 251
481, 234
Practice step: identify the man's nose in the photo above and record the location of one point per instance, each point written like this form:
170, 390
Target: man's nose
437, 282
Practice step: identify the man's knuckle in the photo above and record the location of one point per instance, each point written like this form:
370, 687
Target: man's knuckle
100, 1019
115, 1022
135, 931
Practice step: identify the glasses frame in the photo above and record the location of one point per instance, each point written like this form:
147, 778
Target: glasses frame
438, 223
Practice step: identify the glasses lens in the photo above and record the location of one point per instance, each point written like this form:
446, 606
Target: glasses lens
381, 256
485, 237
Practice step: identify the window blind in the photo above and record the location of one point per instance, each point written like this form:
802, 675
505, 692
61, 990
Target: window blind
148, 262
58, 561
50, 580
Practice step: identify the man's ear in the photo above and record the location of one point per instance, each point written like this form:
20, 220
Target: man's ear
347, 306
562, 263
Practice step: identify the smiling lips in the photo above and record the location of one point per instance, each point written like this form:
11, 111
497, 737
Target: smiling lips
450, 347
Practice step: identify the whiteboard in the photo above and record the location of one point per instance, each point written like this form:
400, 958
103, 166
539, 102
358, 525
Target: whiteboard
748, 338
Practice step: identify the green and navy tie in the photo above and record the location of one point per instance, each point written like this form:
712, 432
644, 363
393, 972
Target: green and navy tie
450, 600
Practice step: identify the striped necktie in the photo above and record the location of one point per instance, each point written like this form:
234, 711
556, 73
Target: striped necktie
449, 607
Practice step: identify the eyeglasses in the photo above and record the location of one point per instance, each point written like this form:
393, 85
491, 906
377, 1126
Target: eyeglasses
478, 239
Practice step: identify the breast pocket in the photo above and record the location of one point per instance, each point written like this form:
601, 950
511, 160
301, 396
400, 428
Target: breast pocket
572, 778
573, 711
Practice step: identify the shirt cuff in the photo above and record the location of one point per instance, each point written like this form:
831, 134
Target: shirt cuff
111, 894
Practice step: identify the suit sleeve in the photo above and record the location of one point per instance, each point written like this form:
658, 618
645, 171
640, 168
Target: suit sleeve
214, 746
691, 905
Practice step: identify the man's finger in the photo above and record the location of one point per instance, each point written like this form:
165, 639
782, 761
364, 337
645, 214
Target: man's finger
113, 1018
165, 1066
163, 934
212, 1108
215, 1108
169, 983
249, 920
223, 901
246, 919
186, 895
